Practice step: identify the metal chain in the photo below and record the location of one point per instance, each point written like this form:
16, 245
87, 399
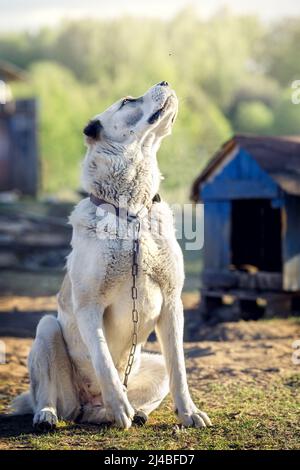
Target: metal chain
134, 294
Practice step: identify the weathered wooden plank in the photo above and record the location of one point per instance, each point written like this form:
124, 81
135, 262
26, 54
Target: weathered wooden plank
217, 235
239, 279
20, 165
239, 189
248, 294
245, 304
21, 325
212, 278
25, 157
5, 153
261, 280
291, 244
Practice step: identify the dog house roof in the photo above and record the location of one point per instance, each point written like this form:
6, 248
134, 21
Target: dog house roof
277, 156
10, 72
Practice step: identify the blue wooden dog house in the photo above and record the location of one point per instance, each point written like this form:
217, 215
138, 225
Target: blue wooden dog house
251, 195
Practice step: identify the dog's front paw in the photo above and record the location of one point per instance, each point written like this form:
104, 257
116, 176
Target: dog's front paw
119, 412
45, 420
192, 417
140, 418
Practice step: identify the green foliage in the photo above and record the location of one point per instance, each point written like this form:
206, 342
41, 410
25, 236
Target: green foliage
279, 51
287, 115
182, 156
228, 72
64, 109
253, 117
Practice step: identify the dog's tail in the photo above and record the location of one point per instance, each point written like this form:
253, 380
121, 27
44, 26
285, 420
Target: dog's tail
22, 404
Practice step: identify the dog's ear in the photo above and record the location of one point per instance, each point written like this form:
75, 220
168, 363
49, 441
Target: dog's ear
93, 129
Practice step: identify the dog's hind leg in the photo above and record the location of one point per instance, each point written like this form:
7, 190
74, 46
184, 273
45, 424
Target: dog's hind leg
51, 377
148, 386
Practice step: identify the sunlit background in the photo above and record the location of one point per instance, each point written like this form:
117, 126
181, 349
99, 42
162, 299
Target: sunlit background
231, 62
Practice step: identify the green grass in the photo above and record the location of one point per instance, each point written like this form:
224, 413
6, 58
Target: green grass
244, 417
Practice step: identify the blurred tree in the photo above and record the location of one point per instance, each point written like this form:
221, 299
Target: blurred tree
279, 51
199, 131
253, 117
228, 72
23, 48
229, 44
255, 87
287, 116
64, 110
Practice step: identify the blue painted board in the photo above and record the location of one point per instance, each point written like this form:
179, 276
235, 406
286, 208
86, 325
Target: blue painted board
217, 218
291, 244
240, 178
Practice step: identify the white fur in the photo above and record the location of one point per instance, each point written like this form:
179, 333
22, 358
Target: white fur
80, 357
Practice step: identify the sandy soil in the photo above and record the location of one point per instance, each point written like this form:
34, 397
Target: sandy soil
240, 354
244, 352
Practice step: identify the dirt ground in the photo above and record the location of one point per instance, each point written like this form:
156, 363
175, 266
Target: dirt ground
241, 373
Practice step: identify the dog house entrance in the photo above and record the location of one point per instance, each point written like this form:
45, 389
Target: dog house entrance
256, 235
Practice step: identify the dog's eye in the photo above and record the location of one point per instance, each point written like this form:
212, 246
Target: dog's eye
129, 99
125, 100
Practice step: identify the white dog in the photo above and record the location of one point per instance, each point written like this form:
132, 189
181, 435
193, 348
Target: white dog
77, 363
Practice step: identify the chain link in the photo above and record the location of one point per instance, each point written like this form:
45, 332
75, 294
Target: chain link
134, 296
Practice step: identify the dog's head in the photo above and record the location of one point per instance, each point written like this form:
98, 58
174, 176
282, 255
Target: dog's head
132, 120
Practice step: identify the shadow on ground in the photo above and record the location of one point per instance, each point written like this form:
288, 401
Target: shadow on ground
14, 426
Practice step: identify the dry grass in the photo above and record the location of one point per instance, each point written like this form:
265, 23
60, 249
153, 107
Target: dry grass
249, 386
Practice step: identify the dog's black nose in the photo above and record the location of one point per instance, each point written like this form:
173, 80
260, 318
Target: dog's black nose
163, 83
93, 129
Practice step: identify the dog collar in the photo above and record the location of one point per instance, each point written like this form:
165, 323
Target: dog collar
119, 211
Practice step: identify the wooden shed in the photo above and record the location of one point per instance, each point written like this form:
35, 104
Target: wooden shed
251, 195
19, 165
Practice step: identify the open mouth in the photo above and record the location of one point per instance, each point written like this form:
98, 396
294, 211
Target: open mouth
155, 116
